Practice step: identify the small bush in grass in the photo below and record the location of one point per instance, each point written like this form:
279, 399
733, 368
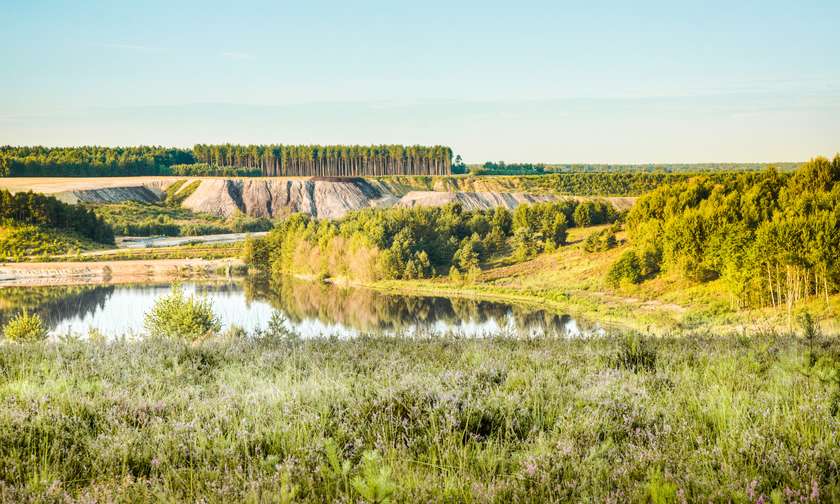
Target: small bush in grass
374, 483
635, 353
179, 316
25, 327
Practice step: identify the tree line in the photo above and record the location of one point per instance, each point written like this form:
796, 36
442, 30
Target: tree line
690, 168
89, 161
241, 160
502, 168
418, 242
773, 239
330, 160
29, 208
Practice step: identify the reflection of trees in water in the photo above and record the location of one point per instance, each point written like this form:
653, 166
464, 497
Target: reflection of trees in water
370, 311
218, 288
53, 304
360, 309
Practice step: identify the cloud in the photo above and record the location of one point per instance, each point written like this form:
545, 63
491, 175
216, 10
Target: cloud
234, 55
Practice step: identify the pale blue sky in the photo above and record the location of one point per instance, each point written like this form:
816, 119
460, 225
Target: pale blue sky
547, 81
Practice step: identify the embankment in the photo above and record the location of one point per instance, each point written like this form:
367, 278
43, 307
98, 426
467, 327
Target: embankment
278, 197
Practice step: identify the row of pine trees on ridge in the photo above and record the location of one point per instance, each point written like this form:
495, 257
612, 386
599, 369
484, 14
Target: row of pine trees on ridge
267, 160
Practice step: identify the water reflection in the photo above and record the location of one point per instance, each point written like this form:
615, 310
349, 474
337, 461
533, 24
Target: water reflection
310, 309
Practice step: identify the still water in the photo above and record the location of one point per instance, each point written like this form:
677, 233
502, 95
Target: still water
309, 309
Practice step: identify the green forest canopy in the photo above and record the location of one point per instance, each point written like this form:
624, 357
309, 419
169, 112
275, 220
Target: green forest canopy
32, 209
269, 160
316, 160
774, 238
418, 242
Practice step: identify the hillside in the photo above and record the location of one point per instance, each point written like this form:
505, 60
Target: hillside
281, 196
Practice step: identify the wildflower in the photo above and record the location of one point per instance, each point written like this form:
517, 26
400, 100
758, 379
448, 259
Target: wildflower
751, 489
530, 467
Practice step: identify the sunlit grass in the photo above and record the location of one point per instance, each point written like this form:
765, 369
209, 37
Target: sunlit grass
444, 419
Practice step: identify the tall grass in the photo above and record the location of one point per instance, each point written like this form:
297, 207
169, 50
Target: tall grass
278, 419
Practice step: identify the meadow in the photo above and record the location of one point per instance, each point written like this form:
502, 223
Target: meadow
268, 417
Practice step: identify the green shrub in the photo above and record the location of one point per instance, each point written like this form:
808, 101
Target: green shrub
255, 252
374, 483
601, 241
241, 223
179, 316
627, 268
25, 327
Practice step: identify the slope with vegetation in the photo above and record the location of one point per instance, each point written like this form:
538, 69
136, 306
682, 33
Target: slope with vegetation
577, 184
702, 249
34, 224
139, 219
418, 242
773, 240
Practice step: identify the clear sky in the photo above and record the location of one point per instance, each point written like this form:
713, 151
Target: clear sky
550, 81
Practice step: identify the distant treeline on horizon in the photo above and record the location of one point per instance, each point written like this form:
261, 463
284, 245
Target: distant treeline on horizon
503, 168
303, 160
227, 159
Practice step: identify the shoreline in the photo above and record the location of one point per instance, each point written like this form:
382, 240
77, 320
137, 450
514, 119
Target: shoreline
37, 274
610, 311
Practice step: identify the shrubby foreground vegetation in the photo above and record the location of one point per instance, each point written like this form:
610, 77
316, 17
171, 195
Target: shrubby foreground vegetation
267, 417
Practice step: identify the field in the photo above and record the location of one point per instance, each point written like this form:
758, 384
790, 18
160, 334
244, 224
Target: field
274, 419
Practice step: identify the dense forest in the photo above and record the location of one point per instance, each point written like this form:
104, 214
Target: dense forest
330, 160
32, 209
88, 161
774, 239
242, 160
418, 242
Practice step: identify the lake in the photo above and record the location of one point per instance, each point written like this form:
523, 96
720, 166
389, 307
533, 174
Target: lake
309, 309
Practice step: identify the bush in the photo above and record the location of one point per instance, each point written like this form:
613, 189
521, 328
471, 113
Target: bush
255, 252
601, 241
627, 268
178, 316
25, 327
241, 223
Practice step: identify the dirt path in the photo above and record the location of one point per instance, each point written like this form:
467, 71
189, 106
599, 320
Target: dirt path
102, 272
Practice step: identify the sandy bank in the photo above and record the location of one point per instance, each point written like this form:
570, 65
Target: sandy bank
110, 272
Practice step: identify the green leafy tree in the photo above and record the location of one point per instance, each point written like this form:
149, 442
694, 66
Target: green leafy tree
180, 316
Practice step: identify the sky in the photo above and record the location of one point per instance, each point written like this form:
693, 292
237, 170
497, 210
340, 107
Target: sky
538, 81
